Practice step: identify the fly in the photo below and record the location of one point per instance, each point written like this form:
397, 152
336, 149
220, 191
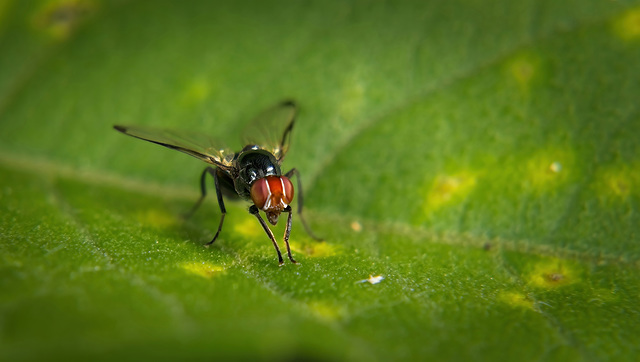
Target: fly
253, 173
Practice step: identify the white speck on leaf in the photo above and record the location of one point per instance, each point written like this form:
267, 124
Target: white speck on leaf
372, 280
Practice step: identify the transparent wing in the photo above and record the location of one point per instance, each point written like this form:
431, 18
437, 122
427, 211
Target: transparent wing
271, 130
196, 145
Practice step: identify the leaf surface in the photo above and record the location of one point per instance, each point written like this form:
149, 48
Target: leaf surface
481, 158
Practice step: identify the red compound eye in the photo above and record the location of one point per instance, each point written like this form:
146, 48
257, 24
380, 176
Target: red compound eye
287, 196
272, 193
260, 192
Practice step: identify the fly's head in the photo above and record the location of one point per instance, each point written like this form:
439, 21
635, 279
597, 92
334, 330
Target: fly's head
272, 194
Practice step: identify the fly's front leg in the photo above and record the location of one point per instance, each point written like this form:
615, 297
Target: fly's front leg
295, 172
253, 210
287, 232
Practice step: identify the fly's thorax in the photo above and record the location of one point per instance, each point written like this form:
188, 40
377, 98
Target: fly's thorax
272, 194
253, 164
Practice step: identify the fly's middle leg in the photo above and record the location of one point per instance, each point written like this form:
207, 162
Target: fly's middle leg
223, 210
203, 189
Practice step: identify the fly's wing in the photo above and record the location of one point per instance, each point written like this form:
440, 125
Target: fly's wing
271, 130
193, 144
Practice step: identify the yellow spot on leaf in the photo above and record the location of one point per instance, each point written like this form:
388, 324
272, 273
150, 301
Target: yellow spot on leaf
60, 18
627, 26
325, 311
196, 92
548, 168
353, 96
203, 269
553, 273
524, 68
449, 189
4, 10
248, 227
356, 226
618, 182
315, 249
619, 185
515, 299
156, 218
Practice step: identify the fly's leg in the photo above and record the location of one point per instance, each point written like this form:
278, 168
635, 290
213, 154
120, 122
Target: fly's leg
203, 189
295, 172
253, 210
223, 210
287, 232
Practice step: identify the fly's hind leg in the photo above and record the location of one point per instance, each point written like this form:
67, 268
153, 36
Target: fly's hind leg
295, 172
203, 189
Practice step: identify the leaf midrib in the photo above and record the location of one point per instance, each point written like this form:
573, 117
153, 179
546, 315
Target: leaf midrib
416, 234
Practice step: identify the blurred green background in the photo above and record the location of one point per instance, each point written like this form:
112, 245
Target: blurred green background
481, 156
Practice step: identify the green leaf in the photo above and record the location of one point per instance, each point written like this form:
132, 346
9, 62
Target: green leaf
481, 157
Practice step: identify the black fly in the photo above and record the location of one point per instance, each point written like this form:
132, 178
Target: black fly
253, 173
